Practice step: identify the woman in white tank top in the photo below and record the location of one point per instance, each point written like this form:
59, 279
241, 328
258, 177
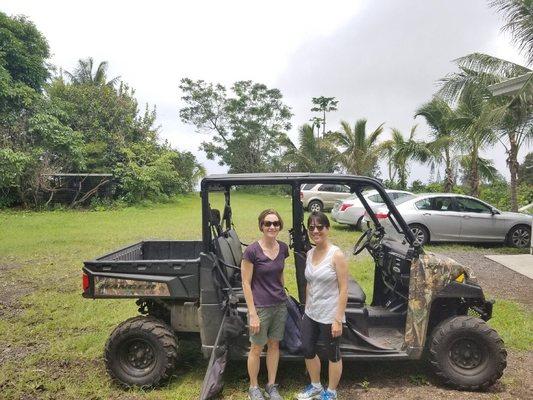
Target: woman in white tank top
326, 272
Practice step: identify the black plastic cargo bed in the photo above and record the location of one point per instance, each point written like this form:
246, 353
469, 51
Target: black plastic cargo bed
156, 268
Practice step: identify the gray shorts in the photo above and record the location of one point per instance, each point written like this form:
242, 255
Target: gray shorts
272, 324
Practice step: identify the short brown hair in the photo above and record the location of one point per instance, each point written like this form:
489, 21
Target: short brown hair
266, 212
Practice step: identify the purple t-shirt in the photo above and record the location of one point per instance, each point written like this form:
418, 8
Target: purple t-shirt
267, 288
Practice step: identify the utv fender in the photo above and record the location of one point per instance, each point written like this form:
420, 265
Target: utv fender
461, 290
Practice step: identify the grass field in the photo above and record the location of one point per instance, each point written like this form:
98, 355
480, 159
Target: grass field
51, 340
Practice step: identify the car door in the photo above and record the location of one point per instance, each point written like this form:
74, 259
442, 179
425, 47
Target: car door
440, 217
478, 223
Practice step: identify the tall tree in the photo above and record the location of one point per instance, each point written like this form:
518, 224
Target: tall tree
439, 115
311, 155
402, 151
245, 127
474, 119
324, 105
84, 75
512, 115
519, 17
361, 150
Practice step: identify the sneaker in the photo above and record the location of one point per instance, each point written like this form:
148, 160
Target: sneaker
310, 392
272, 392
327, 395
255, 394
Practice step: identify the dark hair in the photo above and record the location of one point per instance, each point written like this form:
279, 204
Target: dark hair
266, 212
320, 217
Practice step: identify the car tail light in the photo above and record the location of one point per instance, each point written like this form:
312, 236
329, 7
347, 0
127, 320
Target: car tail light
85, 280
382, 215
344, 206
301, 195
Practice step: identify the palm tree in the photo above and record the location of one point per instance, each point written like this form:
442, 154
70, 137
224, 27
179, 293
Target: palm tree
313, 155
519, 16
361, 150
402, 151
486, 169
512, 115
438, 115
83, 74
324, 105
474, 119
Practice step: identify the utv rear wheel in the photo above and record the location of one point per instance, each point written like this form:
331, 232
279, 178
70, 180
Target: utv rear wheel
141, 351
466, 353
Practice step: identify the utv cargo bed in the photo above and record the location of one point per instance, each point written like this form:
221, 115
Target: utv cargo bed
155, 268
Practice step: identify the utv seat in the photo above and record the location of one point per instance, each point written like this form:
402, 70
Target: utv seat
356, 296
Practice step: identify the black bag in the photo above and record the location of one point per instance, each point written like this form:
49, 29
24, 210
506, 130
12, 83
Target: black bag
292, 339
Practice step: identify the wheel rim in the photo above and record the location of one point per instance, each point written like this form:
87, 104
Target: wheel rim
315, 207
466, 354
137, 357
419, 235
520, 237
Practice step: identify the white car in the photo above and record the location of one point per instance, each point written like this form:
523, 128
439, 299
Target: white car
351, 211
322, 196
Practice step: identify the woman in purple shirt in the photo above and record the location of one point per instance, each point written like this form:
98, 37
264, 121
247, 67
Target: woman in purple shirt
263, 286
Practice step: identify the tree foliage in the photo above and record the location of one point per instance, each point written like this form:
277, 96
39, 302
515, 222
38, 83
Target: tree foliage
245, 125
84, 123
360, 150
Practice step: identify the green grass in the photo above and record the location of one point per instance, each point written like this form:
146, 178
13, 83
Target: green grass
60, 336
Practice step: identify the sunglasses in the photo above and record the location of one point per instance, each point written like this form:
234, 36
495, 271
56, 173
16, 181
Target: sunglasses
275, 224
311, 228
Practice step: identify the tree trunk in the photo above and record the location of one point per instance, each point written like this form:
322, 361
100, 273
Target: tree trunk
513, 165
448, 183
474, 173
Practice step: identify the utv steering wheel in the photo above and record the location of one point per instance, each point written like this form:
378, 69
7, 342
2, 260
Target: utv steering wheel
363, 241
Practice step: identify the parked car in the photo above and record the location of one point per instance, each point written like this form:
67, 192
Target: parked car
351, 211
322, 196
446, 217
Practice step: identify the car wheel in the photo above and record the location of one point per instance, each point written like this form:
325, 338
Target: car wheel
420, 233
315, 205
466, 353
519, 236
359, 224
141, 351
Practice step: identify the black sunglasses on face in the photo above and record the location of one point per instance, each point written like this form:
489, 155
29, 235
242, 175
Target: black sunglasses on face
268, 224
311, 228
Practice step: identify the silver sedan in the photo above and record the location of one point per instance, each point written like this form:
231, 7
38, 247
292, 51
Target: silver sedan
445, 217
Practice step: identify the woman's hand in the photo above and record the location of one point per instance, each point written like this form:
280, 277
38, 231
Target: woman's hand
255, 324
336, 329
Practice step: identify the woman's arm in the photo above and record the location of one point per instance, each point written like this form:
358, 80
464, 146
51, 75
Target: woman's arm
341, 267
247, 270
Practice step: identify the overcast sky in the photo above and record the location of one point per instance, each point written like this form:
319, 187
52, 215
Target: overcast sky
380, 59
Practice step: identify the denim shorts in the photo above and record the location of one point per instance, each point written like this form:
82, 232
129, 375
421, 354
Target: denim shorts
272, 324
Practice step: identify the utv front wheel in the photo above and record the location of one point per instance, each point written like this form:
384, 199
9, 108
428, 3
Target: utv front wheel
141, 351
466, 353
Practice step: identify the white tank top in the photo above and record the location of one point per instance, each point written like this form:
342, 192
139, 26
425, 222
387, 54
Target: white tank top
323, 296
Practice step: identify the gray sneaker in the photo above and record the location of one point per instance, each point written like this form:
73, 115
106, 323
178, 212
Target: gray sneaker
272, 391
310, 392
255, 394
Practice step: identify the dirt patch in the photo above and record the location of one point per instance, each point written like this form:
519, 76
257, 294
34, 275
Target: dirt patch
11, 290
410, 380
496, 279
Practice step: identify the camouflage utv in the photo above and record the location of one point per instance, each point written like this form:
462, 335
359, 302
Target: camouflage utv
423, 304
